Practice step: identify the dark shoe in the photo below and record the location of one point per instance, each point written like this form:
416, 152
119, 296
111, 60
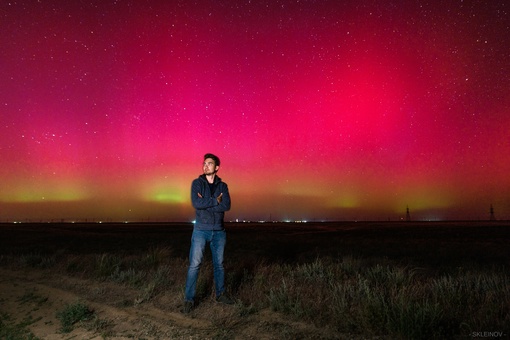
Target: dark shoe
188, 306
224, 299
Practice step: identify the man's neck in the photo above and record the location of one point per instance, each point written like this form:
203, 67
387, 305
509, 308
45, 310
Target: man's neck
210, 178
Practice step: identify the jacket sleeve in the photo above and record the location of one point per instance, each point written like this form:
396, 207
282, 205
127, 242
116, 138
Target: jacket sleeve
225, 199
201, 202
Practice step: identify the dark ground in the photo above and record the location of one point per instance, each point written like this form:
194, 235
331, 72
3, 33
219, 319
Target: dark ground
434, 244
35, 294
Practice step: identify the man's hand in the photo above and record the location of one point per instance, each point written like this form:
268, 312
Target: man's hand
219, 198
199, 195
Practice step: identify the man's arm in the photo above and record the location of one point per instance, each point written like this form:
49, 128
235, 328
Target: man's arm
223, 200
198, 201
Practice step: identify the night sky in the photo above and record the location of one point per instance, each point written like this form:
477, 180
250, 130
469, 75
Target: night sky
319, 110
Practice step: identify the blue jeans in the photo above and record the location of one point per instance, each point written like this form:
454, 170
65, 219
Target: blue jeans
217, 240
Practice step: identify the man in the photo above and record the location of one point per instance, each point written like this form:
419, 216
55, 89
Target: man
210, 198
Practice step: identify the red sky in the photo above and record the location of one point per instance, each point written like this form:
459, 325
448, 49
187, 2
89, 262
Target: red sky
318, 109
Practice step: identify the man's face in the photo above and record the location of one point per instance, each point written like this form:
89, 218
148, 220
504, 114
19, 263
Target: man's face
209, 166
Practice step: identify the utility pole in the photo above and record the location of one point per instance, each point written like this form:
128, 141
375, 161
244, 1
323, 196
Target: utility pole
492, 218
408, 216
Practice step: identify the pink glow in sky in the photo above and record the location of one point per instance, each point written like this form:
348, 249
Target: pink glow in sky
318, 109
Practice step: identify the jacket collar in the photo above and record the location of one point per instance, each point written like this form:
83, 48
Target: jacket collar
216, 178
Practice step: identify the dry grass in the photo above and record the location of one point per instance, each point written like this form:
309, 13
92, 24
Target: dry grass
398, 281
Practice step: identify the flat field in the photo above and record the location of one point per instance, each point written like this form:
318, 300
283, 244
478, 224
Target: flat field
289, 280
432, 243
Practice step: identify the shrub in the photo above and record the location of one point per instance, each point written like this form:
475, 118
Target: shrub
130, 276
36, 260
72, 314
106, 265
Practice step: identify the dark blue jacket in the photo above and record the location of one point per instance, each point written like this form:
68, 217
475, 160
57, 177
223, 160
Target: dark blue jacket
209, 213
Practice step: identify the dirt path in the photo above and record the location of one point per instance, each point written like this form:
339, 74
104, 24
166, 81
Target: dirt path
36, 297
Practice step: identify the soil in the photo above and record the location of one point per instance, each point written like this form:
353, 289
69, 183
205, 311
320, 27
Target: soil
38, 295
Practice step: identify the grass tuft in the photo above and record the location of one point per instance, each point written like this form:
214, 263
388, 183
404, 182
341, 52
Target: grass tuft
73, 313
10, 330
